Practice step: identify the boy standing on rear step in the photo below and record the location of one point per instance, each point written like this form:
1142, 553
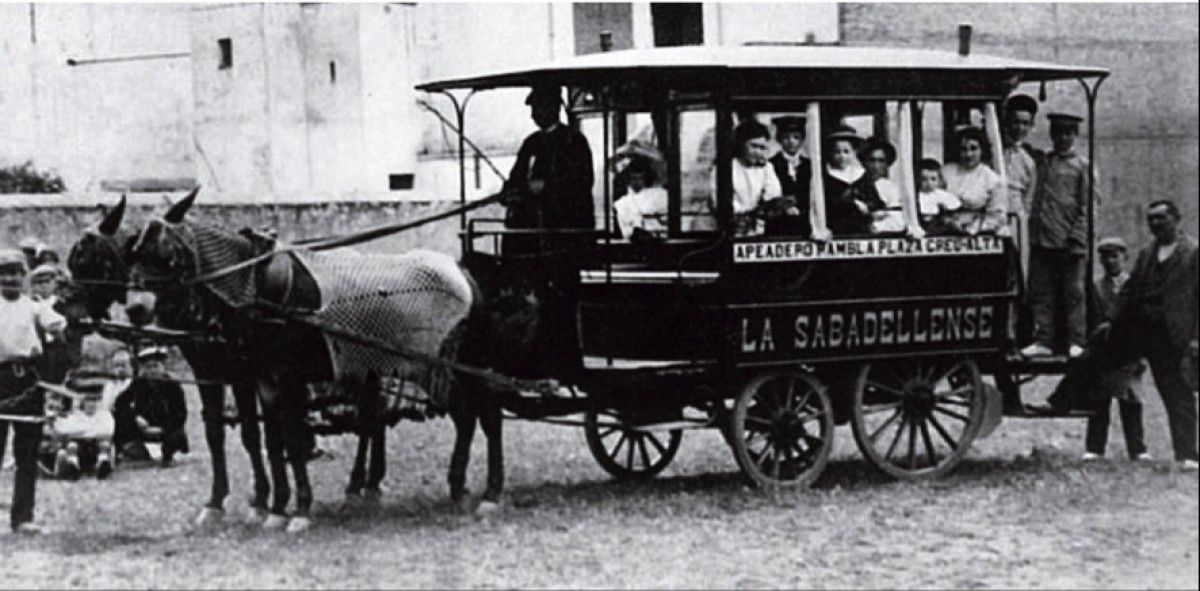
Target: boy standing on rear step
1115, 383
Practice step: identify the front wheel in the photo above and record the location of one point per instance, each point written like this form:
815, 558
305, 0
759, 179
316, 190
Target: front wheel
781, 429
626, 453
916, 419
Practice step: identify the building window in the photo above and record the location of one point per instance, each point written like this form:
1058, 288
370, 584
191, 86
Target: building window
591, 18
400, 182
332, 72
226, 47
677, 23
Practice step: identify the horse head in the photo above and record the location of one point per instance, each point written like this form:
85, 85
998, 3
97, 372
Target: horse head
97, 262
163, 260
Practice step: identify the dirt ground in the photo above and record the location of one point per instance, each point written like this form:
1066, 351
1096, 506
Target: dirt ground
1020, 512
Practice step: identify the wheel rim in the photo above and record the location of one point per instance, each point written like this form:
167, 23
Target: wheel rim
782, 429
626, 453
919, 418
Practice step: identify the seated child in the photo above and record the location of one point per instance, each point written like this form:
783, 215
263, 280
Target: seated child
932, 200
153, 408
643, 206
80, 439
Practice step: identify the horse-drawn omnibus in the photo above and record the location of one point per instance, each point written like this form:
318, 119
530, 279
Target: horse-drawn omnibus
776, 338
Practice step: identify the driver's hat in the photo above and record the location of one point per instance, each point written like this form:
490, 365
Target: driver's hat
12, 259
544, 94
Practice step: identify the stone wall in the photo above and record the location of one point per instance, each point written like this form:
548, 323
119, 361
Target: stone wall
1147, 126
60, 225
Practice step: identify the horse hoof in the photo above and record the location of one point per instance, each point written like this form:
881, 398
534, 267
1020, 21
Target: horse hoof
372, 495
487, 508
298, 525
275, 521
209, 516
257, 515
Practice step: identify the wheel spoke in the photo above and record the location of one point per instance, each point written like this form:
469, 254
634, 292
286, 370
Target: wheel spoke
955, 402
791, 393
775, 463
912, 445
955, 395
815, 415
937, 425
758, 421
878, 408
885, 424
959, 416
605, 432
949, 372
629, 453
662, 451
645, 454
888, 389
896, 439
616, 450
932, 456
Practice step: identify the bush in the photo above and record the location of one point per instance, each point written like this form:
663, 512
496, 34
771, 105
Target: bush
22, 178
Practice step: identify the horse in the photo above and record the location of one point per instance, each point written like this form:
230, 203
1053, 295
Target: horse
214, 273
98, 265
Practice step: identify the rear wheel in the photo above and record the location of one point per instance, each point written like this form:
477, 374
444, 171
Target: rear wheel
626, 453
781, 429
917, 418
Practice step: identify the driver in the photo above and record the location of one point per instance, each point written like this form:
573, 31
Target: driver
550, 185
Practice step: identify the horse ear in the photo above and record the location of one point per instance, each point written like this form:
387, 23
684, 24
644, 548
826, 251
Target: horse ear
177, 211
112, 219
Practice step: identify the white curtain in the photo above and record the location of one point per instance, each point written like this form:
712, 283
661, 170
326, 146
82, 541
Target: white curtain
992, 124
904, 168
816, 200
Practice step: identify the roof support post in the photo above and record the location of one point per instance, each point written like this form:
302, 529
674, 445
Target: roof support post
1090, 92
460, 117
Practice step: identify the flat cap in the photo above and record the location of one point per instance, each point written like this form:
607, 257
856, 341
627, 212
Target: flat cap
152, 353
788, 123
1064, 118
11, 257
1021, 102
1112, 243
45, 269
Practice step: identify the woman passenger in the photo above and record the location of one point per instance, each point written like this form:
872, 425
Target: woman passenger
978, 187
878, 155
755, 185
850, 194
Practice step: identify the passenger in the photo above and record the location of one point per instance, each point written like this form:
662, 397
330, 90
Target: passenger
1058, 242
850, 194
934, 201
643, 208
878, 155
794, 170
983, 198
755, 186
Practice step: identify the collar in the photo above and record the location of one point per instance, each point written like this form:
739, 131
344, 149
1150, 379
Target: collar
847, 175
553, 128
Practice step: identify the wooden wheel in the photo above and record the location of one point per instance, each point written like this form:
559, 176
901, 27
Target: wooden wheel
917, 418
626, 453
782, 429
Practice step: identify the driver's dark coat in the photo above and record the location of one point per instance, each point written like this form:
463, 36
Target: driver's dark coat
562, 159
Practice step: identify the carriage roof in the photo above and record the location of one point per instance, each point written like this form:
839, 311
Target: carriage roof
752, 68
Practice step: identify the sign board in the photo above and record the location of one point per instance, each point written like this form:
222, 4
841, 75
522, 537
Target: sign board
816, 331
865, 248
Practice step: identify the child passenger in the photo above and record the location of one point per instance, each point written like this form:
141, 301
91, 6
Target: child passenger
644, 206
932, 200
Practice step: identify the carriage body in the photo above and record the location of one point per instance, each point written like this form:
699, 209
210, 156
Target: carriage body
840, 328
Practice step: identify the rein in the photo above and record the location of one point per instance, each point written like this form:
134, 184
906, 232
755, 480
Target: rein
339, 241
